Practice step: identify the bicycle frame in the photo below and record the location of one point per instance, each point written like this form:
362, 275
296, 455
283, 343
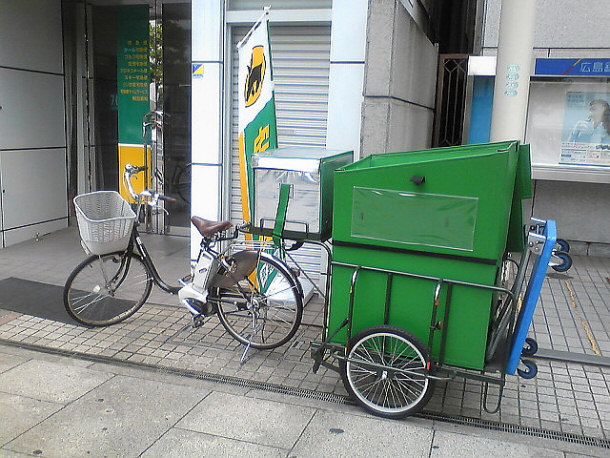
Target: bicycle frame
136, 241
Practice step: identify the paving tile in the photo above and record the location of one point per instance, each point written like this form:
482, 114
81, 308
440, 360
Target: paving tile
119, 418
255, 427
48, 381
444, 445
151, 335
8, 361
337, 434
18, 414
183, 443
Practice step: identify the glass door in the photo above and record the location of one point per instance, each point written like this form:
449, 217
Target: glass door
175, 98
99, 71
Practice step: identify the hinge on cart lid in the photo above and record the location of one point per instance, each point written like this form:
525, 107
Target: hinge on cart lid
535, 242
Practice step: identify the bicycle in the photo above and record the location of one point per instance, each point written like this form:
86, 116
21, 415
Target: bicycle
180, 182
257, 297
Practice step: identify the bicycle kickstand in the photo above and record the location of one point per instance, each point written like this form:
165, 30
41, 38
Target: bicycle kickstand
244, 355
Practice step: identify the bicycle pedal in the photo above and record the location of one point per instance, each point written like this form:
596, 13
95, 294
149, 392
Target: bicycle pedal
198, 321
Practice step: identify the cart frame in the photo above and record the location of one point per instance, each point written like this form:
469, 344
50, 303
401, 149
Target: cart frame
326, 353
508, 328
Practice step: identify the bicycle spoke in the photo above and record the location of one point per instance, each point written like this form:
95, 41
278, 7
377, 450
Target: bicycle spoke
281, 291
107, 289
386, 372
272, 312
90, 304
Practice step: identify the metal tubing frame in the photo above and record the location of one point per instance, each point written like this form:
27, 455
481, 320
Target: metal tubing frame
338, 351
506, 320
425, 277
350, 308
388, 292
444, 325
148, 262
328, 273
318, 348
299, 242
435, 302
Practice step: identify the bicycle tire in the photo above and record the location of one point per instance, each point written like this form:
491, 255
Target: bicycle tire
386, 371
105, 290
182, 183
262, 319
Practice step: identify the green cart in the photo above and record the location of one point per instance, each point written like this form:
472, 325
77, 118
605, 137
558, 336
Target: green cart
419, 284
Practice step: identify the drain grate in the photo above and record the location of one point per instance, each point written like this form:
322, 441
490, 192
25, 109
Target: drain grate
324, 396
263, 386
217, 378
517, 429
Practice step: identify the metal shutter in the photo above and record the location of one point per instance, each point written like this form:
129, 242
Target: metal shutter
301, 64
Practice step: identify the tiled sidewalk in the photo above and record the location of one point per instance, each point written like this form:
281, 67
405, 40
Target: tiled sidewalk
574, 313
564, 397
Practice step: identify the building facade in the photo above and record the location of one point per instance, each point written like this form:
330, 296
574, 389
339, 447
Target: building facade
349, 74
355, 75
572, 189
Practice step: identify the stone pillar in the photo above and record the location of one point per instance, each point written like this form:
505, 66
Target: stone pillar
513, 68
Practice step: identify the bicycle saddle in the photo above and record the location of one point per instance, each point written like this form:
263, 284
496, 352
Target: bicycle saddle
209, 228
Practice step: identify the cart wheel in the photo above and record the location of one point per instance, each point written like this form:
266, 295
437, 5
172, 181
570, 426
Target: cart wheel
563, 245
531, 369
386, 371
531, 347
566, 261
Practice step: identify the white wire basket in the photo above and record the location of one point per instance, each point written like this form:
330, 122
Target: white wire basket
105, 221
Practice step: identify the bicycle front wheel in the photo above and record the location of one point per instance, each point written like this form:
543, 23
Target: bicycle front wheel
262, 307
105, 290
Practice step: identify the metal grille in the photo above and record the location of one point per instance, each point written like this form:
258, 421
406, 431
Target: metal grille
517, 429
450, 99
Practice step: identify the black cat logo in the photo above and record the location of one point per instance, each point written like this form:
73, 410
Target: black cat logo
256, 75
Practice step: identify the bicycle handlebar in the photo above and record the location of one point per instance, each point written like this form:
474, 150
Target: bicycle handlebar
167, 199
131, 170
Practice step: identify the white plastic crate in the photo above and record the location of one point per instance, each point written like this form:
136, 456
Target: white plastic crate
105, 221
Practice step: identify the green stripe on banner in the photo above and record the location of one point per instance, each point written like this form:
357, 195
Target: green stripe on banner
132, 71
260, 135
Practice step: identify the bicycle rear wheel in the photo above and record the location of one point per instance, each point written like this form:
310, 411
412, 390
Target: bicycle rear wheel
182, 183
261, 305
105, 290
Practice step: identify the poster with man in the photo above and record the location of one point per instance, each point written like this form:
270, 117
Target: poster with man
586, 129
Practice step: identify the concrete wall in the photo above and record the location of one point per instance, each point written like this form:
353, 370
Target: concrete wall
32, 120
581, 210
567, 28
400, 81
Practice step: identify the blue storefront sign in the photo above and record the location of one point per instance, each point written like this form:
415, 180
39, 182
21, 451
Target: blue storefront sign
573, 67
